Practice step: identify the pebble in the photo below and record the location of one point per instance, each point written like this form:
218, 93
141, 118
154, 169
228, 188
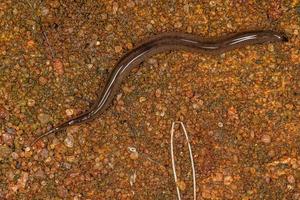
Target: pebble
72, 129
296, 196
44, 118
291, 179
206, 193
30, 102
8, 139
189, 29
43, 80
178, 25
158, 93
115, 7
109, 27
14, 155
129, 45
142, 99
134, 155
220, 124
232, 113
118, 49
44, 153
103, 16
23, 180
58, 67
10, 130
30, 44
218, 177
3, 113
130, 4
5, 151
69, 112
54, 3
69, 141
228, 180
266, 139
152, 61
27, 149
62, 191
271, 47
39, 174
44, 11
181, 185
186, 8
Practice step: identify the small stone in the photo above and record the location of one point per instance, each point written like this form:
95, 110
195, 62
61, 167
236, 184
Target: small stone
186, 8
8, 139
44, 11
10, 130
218, 177
149, 27
134, 155
44, 153
291, 179
232, 113
129, 45
118, 49
266, 139
181, 185
62, 192
271, 47
142, 99
44, 118
5, 151
109, 27
27, 149
220, 124
72, 129
69, 141
69, 112
158, 93
212, 3
14, 155
115, 7
199, 103
206, 193
130, 4
296, 196
152, 61
228, 180
189, 29
30, 44
43, 80
30, 102
103, 16
39, 174
22, 180
54, 3
58, 67
178, 25
3, 113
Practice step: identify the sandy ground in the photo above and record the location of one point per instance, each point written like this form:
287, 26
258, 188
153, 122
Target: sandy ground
241, 108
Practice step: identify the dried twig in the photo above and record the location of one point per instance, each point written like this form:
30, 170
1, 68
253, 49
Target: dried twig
173, 160
191, 158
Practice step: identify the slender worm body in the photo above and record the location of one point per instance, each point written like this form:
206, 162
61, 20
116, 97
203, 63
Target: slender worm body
157, 44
